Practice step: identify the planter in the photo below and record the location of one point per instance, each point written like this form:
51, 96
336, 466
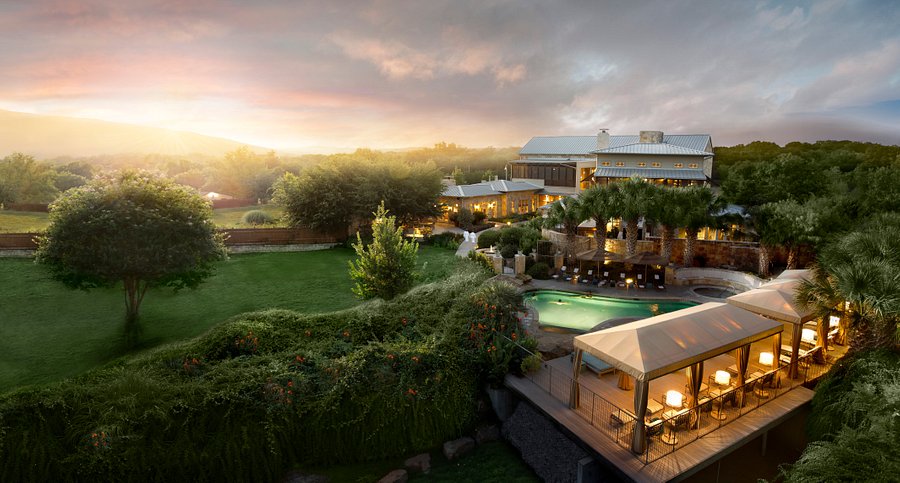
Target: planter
502, 401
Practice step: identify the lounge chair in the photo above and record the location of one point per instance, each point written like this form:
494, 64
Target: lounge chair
604, 280
658, 282
621, 282
594, 364
640, 281
589, 277
562, 273
574, 275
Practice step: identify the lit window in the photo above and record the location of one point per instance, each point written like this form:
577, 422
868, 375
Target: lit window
620, 164
692, 165
605, 163
641, 165
679, 165
655, 165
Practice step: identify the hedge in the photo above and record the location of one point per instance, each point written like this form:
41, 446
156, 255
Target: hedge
267, 390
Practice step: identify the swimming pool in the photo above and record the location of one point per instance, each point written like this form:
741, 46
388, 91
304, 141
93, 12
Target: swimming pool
581, 313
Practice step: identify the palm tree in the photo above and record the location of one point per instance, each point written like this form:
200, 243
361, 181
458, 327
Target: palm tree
631, 202
698, 206
598, 204
664, 210
568, 213
821, 296
862, 269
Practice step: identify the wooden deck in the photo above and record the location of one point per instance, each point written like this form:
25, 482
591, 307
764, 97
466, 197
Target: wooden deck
687, 459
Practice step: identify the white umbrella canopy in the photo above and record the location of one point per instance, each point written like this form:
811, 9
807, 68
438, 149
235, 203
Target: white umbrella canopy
656, 346
776, 301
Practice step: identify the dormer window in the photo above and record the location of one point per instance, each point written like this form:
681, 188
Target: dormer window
620, 164
604, 163
642, 165
693, 165
679, 165
655, 165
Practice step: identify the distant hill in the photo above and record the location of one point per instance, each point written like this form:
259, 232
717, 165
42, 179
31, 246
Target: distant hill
54, 136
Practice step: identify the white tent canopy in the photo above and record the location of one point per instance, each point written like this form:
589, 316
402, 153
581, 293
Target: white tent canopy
653, 347
775, 300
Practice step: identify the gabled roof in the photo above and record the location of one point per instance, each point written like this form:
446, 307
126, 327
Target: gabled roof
775, 300
653, 347
585, 145
488, 188
654, 149
650, 173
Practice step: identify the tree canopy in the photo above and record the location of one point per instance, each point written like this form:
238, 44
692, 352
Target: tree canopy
336, 193
133, 228
386, 267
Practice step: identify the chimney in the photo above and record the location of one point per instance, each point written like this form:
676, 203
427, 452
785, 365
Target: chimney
651, 137
602, 139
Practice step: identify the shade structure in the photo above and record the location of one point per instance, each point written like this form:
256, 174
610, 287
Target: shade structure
653, 347
647, 258
776, 301
799, 274
597, 255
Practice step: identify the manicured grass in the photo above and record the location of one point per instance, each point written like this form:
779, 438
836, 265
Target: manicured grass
22, 221
26, 221
48, 332
492, 462
231, 217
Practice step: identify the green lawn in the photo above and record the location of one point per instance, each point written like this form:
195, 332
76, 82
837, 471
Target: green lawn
48, 332
22, 221
26, 221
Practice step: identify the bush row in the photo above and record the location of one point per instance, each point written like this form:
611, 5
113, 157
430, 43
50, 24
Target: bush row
266, 390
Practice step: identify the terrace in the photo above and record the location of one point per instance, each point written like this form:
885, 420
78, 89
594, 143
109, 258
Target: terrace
662, 397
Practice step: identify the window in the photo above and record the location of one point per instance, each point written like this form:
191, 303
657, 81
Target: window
692, 165
679, 165
620, 164
655, 165
605, 163
641, 165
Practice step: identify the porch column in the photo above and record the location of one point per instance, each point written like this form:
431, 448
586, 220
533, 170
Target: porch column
575, 394
795, 348
639, 437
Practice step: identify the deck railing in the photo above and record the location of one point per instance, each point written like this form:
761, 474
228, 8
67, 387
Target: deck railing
672, 428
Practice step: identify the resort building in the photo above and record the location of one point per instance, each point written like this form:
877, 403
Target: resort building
551, 167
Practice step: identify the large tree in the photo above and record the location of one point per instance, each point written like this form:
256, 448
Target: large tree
698, 207
348, 189
566, 213
386, 267
133, 228
665, 210
25, 180
631, 204
598, 204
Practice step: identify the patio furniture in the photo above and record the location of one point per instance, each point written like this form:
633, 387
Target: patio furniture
658, 282
574, 275
589, 277
604, 280
640, 281
562, 272
594, 364
621, 282
674, 400
723, 389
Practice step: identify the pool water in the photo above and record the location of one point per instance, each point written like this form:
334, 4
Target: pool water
581, 313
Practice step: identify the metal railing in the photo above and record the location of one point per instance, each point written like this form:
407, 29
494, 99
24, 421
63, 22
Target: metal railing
672, 429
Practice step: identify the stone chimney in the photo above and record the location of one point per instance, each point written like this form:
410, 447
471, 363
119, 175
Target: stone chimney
602, 139
651, 137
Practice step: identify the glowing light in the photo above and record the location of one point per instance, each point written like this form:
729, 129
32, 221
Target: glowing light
674, 399
722, 378
766, 358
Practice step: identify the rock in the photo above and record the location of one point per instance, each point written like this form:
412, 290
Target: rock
419, 463
296, 476
486, 434
396, 476
458, 447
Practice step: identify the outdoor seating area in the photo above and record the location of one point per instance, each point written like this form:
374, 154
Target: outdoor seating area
602, 268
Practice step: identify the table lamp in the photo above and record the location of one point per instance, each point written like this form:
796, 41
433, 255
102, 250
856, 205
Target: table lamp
674, 399
767, 359
722, 378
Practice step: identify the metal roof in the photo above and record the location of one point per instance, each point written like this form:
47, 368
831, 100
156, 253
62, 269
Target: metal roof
554, 160
585, 145
653, 148
650, 173
487, 188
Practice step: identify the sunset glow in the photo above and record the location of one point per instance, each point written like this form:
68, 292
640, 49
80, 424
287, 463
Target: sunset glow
321, 77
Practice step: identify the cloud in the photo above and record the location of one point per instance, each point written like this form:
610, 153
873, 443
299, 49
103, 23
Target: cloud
395, 74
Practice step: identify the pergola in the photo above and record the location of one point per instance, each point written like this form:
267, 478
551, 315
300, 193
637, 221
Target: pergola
653, 347
775, 300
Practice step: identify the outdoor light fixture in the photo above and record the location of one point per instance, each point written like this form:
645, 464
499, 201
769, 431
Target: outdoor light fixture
722, 378
808, 335
674, 400
766, 358
834, 320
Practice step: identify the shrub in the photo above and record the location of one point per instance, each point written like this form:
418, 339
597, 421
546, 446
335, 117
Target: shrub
445, 240
379, 381
531, 364
508, 251
539, 271
464, 219
481, 259
488, 238
257, 217
478, 217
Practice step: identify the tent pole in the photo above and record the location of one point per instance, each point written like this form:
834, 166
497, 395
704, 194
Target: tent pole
575, 393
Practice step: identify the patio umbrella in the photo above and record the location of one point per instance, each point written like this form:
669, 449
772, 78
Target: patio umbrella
645, 259
597, 255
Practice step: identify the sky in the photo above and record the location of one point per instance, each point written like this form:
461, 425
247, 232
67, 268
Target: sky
335, 75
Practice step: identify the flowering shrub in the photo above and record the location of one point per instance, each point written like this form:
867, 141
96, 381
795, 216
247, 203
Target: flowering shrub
277, 394
97, 440
192, 366
246, 345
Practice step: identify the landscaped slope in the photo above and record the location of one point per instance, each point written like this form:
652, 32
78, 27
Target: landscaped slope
269, 389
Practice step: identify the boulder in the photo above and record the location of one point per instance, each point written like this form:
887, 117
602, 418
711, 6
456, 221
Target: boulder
458, 447
419, 463
486, 434
396, 476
